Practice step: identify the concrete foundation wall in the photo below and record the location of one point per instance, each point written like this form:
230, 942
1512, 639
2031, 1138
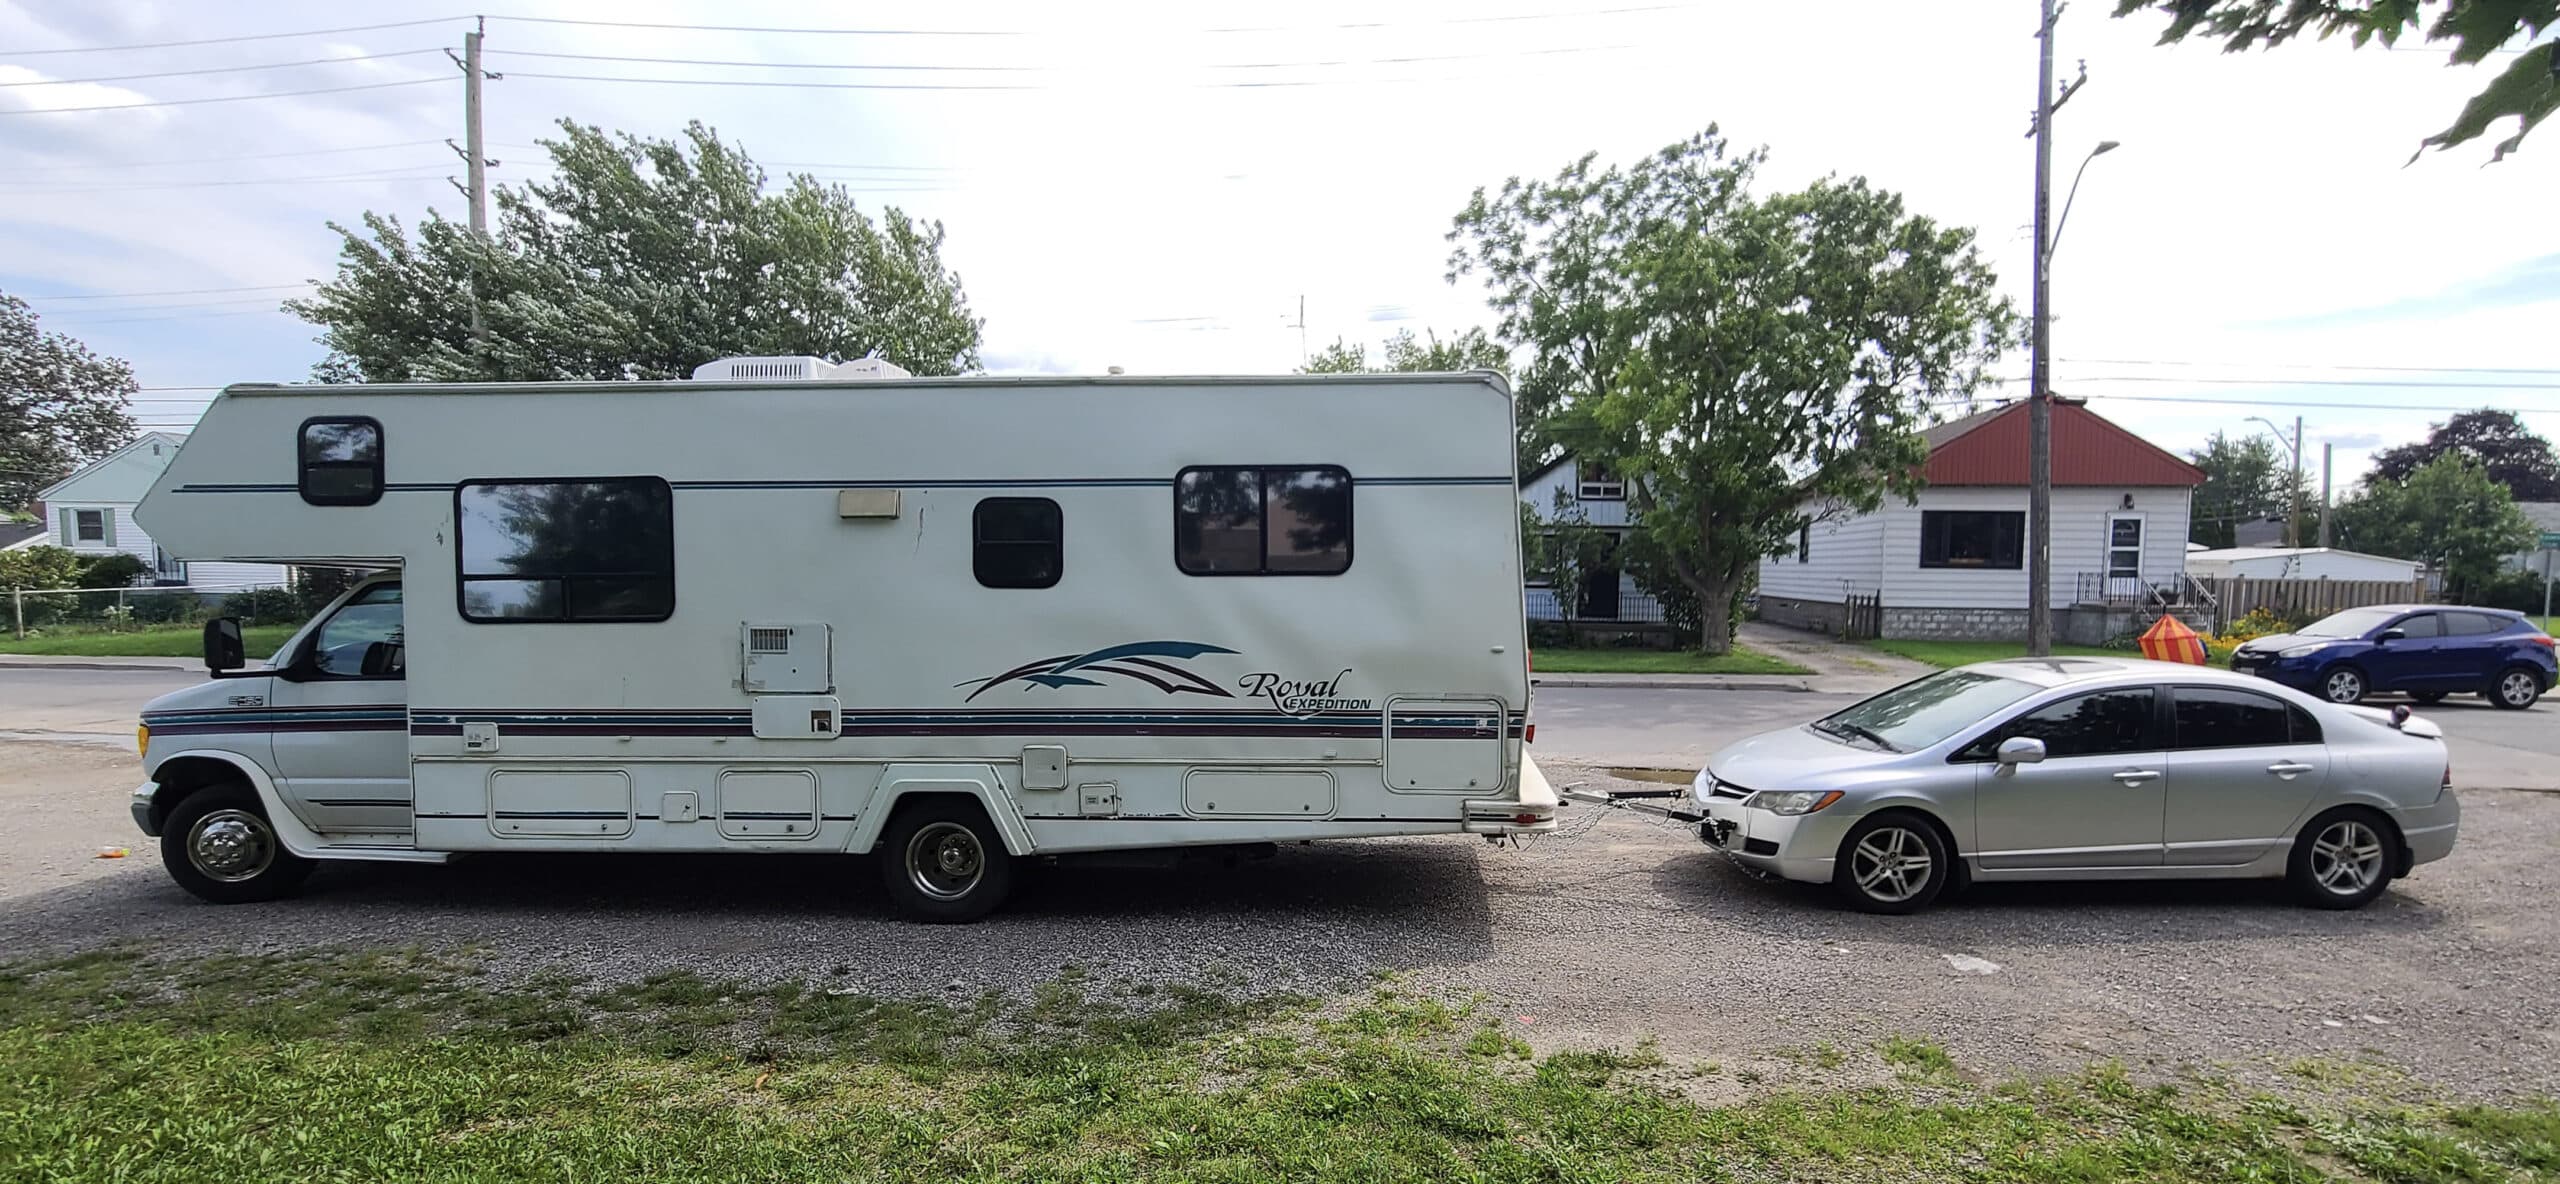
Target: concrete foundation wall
1815, 615
2084, 625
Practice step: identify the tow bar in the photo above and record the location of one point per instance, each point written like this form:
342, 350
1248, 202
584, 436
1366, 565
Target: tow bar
1642, 801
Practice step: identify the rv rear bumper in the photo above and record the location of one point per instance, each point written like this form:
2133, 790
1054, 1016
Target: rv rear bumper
1533, 812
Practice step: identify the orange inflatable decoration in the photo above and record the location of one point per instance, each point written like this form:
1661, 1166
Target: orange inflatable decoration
2169, 640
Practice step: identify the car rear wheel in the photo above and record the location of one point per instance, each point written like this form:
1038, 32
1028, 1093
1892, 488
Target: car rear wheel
1894, 862
943, 862
2343, 859
2344, 684
2516, 688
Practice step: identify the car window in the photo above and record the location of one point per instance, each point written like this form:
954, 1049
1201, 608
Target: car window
2221, 717
1921, 713
2099, 723
2355, 622
2306, 730
2421, 625
2471, 624
373, 616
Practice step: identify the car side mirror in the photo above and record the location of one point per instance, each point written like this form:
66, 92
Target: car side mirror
223, 649
2388, 636
2020, 750
382, 659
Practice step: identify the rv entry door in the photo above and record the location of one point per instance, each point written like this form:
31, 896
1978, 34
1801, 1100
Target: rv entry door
341, 711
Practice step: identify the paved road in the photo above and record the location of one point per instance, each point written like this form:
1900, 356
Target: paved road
1671, 729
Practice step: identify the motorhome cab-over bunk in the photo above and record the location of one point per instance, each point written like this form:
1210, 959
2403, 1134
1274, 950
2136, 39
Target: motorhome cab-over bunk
795, 607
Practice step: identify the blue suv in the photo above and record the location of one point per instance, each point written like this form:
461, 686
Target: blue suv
2425, 651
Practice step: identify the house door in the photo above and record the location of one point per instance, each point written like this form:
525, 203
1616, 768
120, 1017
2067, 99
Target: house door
1600, 585
2124, 557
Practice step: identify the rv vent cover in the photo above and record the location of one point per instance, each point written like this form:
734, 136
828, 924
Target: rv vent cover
768, 641
794, 369
786, 657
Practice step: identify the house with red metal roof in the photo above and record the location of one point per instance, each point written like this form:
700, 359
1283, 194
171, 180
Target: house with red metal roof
1953, 562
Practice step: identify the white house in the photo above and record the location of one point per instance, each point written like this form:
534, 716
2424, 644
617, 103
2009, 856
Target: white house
90, 513
2299, 563
1952, 564
2545, 517
1610, 596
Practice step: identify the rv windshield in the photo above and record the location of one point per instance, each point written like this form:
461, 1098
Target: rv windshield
1919, 714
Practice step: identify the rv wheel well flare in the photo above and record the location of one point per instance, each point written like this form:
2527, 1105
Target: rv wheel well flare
183, 777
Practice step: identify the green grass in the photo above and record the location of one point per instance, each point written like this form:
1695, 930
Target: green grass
1615, 661
404, 1066
1961, 653
158, 641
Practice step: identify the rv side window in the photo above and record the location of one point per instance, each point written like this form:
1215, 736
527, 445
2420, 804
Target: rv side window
567, 550
1016, 542
1271, 521
341, 461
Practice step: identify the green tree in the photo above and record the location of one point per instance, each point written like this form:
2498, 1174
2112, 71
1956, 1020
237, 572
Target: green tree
2527, 90
640, 258
1747, 363
2244, 480
2513, 454
61, 405
1404, 353
2449, 514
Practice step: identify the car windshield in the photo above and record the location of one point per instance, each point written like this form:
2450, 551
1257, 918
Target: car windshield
1918, 714
2355, 622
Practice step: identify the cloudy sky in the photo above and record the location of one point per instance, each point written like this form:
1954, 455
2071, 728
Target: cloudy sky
1159, 186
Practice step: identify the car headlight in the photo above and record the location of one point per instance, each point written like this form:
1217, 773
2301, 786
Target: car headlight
1791, 802
2302, 651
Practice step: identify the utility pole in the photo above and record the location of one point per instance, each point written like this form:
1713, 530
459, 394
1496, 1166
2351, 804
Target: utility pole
2040, 372
2293, 526
2328, 456
475, 156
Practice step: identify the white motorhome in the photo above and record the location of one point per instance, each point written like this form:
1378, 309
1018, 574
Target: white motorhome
795, 606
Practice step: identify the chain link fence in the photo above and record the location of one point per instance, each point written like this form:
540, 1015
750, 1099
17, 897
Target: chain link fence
53, 611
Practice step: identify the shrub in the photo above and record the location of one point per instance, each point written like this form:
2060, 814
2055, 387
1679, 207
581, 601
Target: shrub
112, 571
2517, 590
2262, 621
263, 606
166, 608
315, 587
1550, 635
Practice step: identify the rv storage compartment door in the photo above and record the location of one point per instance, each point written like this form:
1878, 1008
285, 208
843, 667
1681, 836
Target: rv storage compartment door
560, 803
1257, 793
1444, 744
768, 803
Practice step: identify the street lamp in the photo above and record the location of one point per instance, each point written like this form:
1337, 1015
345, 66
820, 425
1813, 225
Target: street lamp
2293, 488
2040, 371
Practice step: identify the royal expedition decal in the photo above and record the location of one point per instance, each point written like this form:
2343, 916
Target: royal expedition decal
1163, 665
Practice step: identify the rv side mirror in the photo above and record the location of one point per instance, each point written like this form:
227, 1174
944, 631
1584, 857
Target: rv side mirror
382, 659
2388, 636
222, 646
2021, 750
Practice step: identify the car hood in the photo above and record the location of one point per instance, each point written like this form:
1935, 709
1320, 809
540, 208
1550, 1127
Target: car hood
1790, 756
2275, 642
207, 695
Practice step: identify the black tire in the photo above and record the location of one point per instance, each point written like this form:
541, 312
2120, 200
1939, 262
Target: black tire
2343, 684
2343, 859
2515, 688
1881, 856
218, 844
2426, 698
943, 862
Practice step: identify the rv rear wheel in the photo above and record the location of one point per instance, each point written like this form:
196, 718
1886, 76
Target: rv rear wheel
218, 844
943, 862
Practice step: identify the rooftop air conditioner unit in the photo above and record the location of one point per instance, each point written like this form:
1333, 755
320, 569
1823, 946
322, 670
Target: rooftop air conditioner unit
794, 369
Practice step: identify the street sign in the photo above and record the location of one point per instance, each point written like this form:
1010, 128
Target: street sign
2551, 540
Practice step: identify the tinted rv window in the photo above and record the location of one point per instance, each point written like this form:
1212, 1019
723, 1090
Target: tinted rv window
1262, 521
586, 549
341, 461
1016, 542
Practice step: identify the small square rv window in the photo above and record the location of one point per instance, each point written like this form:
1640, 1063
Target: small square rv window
341, 461
1017, 542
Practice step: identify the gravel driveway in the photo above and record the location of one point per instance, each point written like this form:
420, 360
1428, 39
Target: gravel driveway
1626, 929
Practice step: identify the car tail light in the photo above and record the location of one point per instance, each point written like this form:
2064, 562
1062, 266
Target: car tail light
2544, 640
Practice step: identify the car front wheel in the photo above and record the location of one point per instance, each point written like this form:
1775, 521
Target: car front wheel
218, 844
2343, 685
2516, 688
1894, 862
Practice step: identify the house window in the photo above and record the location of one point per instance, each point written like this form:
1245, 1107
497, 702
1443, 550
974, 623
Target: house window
89, 526
1248, 521
1973, 538
583, 549
341, 461
2124, 547
1017, 542
1598, 484
1804, 543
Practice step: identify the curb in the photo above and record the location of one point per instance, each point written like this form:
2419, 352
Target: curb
1687, 683
44, 662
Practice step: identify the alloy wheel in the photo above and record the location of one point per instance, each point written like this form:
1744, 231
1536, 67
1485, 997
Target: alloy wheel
2347, 857
1891, 864
2344, 686
2518, 688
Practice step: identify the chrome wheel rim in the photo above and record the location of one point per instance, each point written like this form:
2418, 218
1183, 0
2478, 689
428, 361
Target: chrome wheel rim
1891, 864
2345, 687
2346, 858
945, 860
2518, 688
231, 845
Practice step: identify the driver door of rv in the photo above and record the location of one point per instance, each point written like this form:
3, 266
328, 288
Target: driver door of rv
342, 719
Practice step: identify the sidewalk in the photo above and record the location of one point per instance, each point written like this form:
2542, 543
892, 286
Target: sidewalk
85, 662
1838, 668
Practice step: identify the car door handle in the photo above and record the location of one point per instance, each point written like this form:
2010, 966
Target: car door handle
2137, 776
2288, 769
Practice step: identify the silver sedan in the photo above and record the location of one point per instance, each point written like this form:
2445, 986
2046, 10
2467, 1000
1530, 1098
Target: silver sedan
2086, 769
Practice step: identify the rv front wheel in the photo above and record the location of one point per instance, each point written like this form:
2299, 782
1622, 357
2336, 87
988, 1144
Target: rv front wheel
943, 862
219, 845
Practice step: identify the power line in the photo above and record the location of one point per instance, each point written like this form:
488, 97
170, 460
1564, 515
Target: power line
2312, 366
282, 94
176, 292
1454, 20
370, 57
442, 20
772, 83
1410, 59
77, 315
562, 20
603, 57
385, 176
2315, 404
184, 316
2394, 382
153, 164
